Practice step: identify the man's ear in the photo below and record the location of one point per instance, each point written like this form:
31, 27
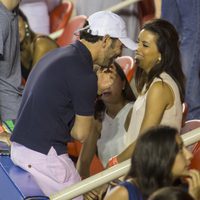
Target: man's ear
106, 41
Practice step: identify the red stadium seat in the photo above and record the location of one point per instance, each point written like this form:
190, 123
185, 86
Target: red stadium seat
190, 125
146, 10
195, 164
60, 16
68, 36
127, 64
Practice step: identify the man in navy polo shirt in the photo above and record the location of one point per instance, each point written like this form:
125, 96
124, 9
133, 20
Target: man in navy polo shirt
58, 101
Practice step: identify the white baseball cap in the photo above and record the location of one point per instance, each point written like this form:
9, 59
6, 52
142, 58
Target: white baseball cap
108, 23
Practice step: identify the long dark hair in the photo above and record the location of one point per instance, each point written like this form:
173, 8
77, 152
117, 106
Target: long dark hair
153, 159
29, 34
168, 46
127, 94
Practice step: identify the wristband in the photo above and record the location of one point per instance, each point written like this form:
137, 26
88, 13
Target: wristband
112, 161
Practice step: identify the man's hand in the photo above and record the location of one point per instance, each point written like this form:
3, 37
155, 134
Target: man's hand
106, 77
5, 137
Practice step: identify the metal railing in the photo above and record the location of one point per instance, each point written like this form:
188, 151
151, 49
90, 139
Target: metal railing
112, 173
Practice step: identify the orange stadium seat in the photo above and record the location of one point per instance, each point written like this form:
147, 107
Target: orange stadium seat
74, 149
60, 16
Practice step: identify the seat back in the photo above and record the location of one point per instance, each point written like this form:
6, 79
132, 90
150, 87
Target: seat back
127, 64
60, 16
190, 125
68, 36
185, 113
146, 10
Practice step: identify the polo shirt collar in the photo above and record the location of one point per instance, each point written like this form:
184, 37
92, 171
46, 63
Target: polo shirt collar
8, 12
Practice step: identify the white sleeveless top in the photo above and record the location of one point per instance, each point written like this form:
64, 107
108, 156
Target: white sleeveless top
112, 140
171, 117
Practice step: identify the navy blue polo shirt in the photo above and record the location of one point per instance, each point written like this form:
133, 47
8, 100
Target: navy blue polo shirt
61, 85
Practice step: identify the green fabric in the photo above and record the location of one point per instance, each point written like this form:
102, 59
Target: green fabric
8, 125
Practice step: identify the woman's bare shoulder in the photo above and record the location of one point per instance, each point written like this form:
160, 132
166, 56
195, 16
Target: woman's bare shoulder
44, 41
118, 193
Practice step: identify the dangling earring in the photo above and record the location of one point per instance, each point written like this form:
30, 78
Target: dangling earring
158, 60
27, 30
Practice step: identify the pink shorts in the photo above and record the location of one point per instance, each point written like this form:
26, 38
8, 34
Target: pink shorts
52, 172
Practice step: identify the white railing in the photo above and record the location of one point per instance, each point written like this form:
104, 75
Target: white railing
114, 8
121, 5
111, 173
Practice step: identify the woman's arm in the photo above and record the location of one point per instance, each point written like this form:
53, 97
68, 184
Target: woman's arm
41, 46
160, 98
88, 151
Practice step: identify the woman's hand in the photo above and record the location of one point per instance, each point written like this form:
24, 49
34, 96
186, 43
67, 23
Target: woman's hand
92, 195
97, 193
106, 77
193, 180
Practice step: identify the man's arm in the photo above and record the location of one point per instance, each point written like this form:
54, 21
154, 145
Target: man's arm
82, 127
88, 151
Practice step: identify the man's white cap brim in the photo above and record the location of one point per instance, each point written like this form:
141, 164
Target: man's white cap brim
130, 44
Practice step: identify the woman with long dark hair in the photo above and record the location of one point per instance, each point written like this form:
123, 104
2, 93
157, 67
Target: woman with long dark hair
111, 123
32, 46
160, 159
160, 82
